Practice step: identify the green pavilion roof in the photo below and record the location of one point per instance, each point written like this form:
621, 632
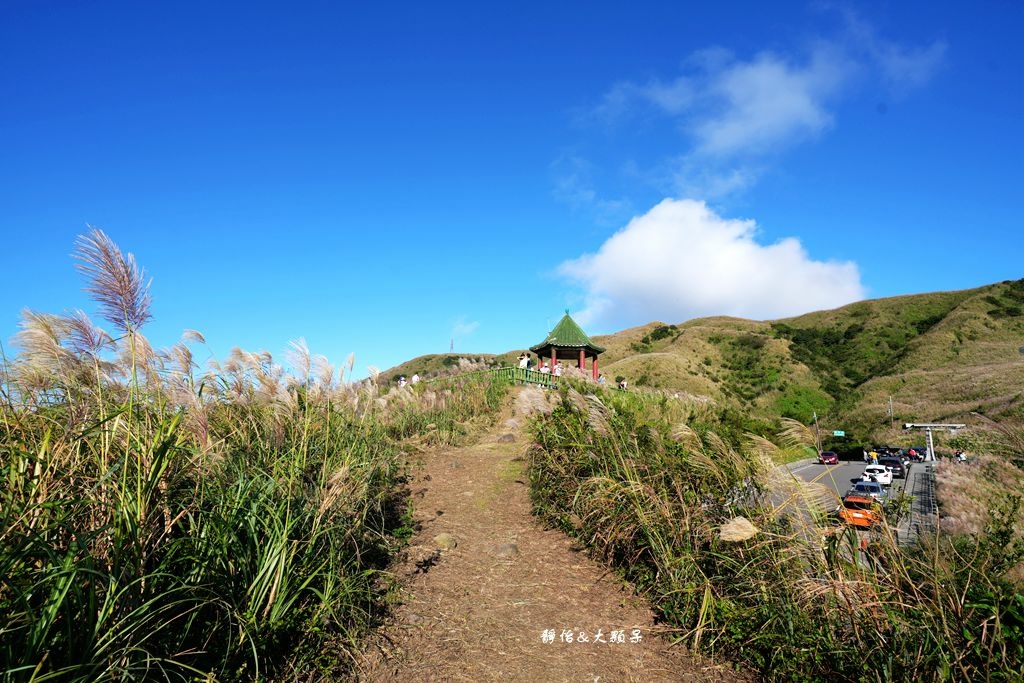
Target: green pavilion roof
567, 334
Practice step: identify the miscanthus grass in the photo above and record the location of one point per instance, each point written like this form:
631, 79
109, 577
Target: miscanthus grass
745, 566
163, 522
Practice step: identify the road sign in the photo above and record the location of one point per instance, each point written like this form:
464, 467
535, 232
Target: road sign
839, 432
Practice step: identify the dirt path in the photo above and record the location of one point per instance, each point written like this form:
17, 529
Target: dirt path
503, 603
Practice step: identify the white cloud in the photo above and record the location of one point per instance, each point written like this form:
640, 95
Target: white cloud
766, 103
902, 67
681, 260
574, 185
691, 178
905, 68
461, 328
729, 106
734, 115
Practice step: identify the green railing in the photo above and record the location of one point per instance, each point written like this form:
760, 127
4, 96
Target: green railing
522, 375
512, 374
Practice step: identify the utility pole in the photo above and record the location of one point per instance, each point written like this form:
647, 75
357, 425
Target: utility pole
817, 432
891, 418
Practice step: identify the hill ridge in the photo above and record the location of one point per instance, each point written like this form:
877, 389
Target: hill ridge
947, 354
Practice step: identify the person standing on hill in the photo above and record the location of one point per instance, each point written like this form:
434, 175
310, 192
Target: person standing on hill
524, 361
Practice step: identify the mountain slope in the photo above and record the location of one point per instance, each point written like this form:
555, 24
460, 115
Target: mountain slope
940, 357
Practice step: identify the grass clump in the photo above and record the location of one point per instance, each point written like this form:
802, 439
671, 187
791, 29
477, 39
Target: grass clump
162, 523
740, 560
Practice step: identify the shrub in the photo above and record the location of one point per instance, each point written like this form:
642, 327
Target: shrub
652, 496
157, 523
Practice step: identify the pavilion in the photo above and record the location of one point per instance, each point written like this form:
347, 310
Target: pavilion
568, 342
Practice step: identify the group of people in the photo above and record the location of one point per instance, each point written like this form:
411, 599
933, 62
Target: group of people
412, 380
525, 362
872, 455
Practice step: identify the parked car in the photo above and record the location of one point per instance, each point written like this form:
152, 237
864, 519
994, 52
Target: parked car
899, 470
871, 489
828, 458
861, 511
879, 473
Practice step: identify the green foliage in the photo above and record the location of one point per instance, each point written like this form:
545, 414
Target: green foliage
752, 372
1008, 302
801, 403
846, 354
648, 495
129, 548
659, 333
232, 526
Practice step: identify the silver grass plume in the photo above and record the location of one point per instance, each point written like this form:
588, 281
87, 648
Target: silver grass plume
301, 360
44, 362
114, 280
577, 401
324, 372
183, 364
597, 416
85, 338
687, 437
193, 336
136, 349
795, 434
41, 340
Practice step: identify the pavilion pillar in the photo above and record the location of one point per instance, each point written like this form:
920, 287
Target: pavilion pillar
595, 367
554, 359
583, 359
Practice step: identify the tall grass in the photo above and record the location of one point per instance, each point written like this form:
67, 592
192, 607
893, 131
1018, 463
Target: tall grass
693, 514
158, 522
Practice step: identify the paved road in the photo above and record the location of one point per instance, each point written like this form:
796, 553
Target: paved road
839, 478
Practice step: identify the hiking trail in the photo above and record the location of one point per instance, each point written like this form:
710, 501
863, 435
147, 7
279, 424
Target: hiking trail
488, 593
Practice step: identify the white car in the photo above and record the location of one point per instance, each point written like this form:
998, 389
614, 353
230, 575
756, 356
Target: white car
879, 473
868, 488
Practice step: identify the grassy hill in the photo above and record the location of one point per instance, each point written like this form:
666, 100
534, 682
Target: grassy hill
940, 357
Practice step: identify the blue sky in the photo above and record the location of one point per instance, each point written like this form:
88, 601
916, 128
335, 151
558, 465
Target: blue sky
384, 180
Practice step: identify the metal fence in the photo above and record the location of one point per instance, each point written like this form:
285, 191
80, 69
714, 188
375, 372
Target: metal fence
924, 513
512, 374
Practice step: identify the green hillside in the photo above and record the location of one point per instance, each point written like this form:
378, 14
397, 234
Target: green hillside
939, 356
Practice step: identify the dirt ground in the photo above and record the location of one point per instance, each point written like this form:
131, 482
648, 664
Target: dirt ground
488, 594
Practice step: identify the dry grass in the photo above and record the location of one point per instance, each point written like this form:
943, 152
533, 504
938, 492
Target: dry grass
477, 612
968, 492
114, 280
